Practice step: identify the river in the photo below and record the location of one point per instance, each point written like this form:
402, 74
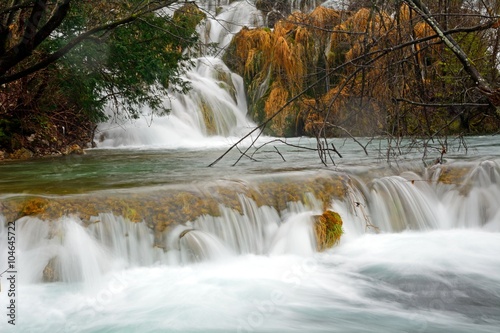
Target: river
426, 260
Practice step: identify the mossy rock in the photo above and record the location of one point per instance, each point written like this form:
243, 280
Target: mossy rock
328, 228
21, 154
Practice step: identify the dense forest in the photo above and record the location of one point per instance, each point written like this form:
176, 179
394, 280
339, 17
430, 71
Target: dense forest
369, 67
63, 62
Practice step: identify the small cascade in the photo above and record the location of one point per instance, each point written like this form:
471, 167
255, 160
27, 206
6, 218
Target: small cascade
397, 203
354, 210
410, 202
60, 251
295, 236
259, 230
80, 257
220, 28
486, 173
475, 202
249, 232
197, 246
131, 242
70, 250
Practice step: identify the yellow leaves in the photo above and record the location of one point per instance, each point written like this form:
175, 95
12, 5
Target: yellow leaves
253, 46
422, 29
253, 62
404, 13
288, 58
282, 54
302, 36
255, 39
277, 98
357, 22
323, 17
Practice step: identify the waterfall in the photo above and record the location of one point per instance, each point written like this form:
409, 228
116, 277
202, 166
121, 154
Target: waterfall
71, 249
400, 203
410, 202
220, 28
213, 112
61, 250
475, 202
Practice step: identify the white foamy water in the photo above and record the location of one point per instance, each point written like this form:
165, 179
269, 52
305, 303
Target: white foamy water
212, 114
412, 281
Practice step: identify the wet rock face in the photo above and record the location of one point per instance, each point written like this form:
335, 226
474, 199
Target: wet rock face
50, 272
273, 10
21, 154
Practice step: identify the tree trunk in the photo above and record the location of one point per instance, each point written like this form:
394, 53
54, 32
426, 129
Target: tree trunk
483, 85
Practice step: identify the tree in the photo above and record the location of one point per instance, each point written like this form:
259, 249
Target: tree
468, 65
63, 61
26, 25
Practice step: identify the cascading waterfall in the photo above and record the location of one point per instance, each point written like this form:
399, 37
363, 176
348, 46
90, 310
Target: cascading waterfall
67, 250
213, 110
475, 203
60, 250
386, 221
70, 250
219, 29
215, 106
400, 203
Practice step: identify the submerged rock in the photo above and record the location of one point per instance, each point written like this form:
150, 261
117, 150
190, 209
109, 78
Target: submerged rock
73, 149
50, 272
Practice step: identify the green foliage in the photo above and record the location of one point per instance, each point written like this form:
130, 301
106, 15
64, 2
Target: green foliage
131, 66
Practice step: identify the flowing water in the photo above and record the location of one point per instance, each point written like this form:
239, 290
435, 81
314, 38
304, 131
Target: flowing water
417, 254
140, 235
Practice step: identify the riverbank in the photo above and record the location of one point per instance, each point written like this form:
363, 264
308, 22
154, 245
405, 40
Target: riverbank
35, 139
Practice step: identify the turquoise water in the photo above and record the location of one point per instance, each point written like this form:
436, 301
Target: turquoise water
104, 169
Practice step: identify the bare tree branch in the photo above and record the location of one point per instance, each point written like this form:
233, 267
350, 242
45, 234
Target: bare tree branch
439, 105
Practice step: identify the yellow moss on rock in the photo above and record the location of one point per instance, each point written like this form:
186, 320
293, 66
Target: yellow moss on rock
165, 208
35, 206
328, 228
